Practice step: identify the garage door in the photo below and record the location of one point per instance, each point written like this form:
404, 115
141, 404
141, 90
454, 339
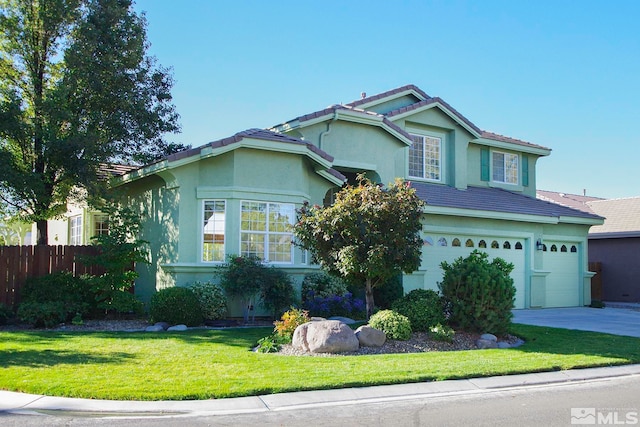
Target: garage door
448, 247
563, 282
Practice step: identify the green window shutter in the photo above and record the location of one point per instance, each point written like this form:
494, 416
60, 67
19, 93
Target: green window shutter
484, 164
525, 170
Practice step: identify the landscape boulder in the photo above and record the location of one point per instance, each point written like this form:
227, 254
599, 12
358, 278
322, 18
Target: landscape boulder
370, 337
326, 336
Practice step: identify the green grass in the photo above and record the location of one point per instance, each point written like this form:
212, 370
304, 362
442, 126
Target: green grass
204, 364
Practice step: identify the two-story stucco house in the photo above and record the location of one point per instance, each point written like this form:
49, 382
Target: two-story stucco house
238, 196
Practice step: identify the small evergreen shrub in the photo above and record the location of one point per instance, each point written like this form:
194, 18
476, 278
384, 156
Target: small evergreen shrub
423, 307
212, 299
389, 292
290, 320
176, 305
479, 294
270, 344
124, 302
276, 291
322, 285
39, 314
395, 325
441, 332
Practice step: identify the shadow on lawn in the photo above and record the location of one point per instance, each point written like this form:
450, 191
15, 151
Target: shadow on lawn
48, 358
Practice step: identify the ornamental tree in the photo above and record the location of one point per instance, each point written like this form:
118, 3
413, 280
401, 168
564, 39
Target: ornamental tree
77, 90
369, 234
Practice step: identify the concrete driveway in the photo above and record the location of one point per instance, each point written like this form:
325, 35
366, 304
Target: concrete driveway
617, 321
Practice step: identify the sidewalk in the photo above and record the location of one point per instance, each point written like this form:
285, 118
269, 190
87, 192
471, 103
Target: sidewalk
19, 403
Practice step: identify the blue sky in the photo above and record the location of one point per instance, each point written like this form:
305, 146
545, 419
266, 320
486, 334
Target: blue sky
562, 74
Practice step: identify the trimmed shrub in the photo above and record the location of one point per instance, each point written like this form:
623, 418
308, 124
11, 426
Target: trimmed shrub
479, 294
276, 291
322, 285
395, 325
423, 307
213, 302
176, 305
124, 302
388, 293
47, 314
55, 298
442, 333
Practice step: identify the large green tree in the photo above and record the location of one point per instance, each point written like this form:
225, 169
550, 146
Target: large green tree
77, 90
369, 235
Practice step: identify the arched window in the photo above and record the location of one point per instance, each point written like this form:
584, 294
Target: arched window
518, 246
442, 241
428, 241
506, 245
574, 249
469, 243
495, 245
563, 248
554, 248
482, 244
456, 242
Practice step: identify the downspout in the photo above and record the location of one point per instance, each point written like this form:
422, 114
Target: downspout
328, 131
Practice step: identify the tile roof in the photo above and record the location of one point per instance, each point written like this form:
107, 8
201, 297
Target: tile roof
494, 200
387, 94
622, 216
574, 201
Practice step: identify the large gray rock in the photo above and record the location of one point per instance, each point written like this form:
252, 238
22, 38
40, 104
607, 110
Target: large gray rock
154, 328
486, 343
327, 336
177, 328
370, 337
489, 337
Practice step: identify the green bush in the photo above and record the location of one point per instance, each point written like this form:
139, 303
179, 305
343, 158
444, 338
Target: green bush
322, 285
213, 302
47, 314
276, 291
175, 305
395, 325
442, 333
389, 292
55, 298
124, 302
5, 314
423, 307
479, 294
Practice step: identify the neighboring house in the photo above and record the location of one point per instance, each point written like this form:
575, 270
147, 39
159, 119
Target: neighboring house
238, 195
614, 244
80, 223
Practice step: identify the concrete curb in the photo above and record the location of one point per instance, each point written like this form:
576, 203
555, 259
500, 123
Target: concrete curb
20, 403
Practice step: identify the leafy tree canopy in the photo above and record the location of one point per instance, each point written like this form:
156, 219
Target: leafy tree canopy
77, 90
369, 234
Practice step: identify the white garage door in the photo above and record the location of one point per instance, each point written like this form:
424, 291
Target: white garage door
446, 247
563, 282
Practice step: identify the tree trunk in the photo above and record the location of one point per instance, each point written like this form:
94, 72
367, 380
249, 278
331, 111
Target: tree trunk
368, 292
42, 235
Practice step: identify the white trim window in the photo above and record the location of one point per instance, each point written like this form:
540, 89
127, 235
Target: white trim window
505, 167
100, 225
425, 157
266, 231
75, 230
213, 230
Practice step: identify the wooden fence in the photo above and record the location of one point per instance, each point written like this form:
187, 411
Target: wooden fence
596, 281
18, 263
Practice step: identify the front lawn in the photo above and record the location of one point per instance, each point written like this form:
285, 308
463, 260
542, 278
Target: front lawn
204, 364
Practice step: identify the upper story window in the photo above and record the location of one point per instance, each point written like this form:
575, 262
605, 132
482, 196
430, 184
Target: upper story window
425, 157
213, 230
505, 167
75, 230
266, 231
